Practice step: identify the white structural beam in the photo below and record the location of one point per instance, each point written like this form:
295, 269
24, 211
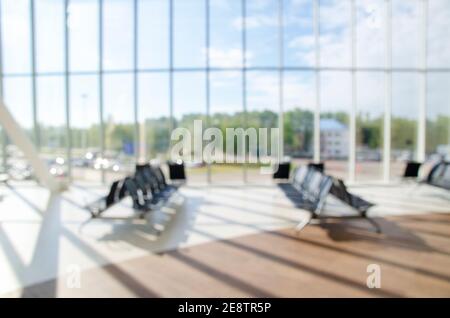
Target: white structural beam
207, 78
244, 73
352, 131
21, 140
316, 134
280, 80
3, 140
100, 85
388, 93
67, 89
137, 134
421, 131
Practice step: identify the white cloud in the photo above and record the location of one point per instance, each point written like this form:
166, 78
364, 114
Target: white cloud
227, 57
304, 41
225, 79
334, 15
336, 51
256, 21
299, 3
220, 4
255, 5
438, 31
263, 91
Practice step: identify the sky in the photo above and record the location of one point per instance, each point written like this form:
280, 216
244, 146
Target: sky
225, 51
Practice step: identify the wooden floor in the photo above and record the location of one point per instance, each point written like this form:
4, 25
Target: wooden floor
322, 261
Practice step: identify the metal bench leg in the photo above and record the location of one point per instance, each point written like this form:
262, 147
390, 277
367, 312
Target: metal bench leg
94, 213
374, 224
303, 223
142, 215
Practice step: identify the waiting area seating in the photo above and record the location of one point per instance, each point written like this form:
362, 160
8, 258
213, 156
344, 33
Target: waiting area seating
412, 170
148, 189
177, 170
439, 175
283, 170
317, 165
310, 188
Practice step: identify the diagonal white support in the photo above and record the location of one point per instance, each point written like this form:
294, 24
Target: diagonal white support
21, 140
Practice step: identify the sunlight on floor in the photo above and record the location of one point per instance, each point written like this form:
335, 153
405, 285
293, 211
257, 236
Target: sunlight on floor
42, 235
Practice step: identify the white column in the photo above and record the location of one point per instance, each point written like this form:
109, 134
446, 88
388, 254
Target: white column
67, 90
317, 75
388, 93
36, 129
137, 132
421, 131
352, 131
280, 80
3, 137
244, 73
208, 79
100, 86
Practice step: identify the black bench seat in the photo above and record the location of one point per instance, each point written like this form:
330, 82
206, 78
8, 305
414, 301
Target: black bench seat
147, 188
309, 189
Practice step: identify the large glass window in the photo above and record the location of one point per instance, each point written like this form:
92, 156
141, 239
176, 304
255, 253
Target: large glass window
153, 34
49, 19
189, 33
438, 117
405, 110
83, 35
299, 44
175, 31
406, 21
371, 33
438, 29
262, 33
299, 104
154, 116
16, 36
335, 33
18, 98
119, 127
262, 112
226, 111
335, 101
118, 35
52, 123
190, 105
85, 127
369, 126
225, 34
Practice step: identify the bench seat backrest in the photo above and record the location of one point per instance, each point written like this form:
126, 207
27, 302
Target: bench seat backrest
148, 174
326, 183
440, 175
142, 183
159, 174
318, 166
299, 177
340, 191
113, 194
313, 186
176, 171
135, 192
412, 169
